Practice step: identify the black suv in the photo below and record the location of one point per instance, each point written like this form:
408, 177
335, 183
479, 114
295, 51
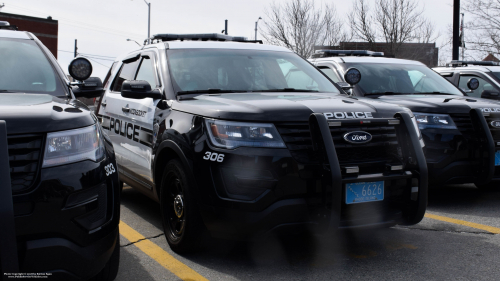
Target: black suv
59, 196
244, 139
461, 133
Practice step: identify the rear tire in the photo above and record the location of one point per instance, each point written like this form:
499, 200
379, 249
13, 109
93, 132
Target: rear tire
182, 224
491, 186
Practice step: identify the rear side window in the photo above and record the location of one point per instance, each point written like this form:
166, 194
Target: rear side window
126, 73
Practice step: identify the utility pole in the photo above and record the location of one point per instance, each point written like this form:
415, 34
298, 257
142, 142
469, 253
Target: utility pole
462, 38
456, 29
256, 28
225, 30
76, 49
149, 18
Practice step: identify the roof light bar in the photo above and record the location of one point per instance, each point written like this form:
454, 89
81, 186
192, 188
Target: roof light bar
466, 63
6, 25
341, 53
202, 37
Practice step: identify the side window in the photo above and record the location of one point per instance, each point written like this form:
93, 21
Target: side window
483, 85
147, 72
298, 79
126, 73
330, 73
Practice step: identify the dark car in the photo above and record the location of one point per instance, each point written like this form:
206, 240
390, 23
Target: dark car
221, 136
60, 194
461, 133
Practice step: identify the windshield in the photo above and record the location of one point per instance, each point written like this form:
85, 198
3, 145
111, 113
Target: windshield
25, 69
244, 71
400, 78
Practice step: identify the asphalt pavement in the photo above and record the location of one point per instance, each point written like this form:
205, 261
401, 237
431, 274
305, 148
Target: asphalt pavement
459, 239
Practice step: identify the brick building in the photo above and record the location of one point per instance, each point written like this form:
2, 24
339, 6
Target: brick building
426, 53
45, 29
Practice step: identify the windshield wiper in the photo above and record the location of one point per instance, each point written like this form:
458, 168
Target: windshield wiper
209, 91
385, 93
435, 93
285, 90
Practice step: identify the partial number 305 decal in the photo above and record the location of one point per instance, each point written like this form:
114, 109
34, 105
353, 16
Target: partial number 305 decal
212, 156
109, 169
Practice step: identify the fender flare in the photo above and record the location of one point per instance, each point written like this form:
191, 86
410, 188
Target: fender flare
169, 144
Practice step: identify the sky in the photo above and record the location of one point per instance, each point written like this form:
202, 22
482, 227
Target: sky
102, 26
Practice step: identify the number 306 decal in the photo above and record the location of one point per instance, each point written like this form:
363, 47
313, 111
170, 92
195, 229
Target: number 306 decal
109, 169
212, 156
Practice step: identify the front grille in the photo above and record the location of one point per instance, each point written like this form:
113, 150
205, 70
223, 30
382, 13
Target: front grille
464, 125
25, 153
383, 147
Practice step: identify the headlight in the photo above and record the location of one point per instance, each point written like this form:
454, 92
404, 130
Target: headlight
228, 134
417, 129
73, 146
436, 121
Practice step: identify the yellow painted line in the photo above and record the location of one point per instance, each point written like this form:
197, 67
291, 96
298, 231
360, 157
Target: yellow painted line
166, 260
465, 223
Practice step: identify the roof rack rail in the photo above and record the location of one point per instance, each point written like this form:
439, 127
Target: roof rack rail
341, 53
6, 25
200, 37
466, 63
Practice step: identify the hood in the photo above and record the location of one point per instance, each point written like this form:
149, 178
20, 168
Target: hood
283, 107
37, 113
441, 103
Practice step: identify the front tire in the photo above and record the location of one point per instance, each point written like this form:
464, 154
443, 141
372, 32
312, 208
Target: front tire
181, 219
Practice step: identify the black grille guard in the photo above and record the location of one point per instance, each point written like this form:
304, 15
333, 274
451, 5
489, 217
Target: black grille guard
481, 127
8, 244
322, 142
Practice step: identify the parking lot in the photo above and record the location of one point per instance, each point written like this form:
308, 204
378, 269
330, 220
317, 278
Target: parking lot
457, 240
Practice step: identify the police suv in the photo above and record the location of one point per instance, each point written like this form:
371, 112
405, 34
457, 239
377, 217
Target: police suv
59, 192
243, 139
485, 73
461, 133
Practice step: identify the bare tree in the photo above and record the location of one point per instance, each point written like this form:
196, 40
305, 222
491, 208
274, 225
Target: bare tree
362, 22
300, 25
393, 21
482, 34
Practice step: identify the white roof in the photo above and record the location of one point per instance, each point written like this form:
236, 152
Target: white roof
472, 67
13, 34
352, 59
223, 45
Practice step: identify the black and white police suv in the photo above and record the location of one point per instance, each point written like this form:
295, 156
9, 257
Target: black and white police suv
485, 73
59, 188
461, 133
242, 139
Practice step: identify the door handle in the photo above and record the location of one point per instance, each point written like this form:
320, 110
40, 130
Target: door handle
104, 104
125, 109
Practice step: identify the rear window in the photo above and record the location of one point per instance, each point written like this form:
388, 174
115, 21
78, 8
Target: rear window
24, 68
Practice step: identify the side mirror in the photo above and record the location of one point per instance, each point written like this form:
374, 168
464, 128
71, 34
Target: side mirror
139, 89
466, 91
473, 84
345, 86
352, 76
80, 69
490, 95
90, 88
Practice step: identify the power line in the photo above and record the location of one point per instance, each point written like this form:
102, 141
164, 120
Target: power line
78, 24
112, 58
96, 62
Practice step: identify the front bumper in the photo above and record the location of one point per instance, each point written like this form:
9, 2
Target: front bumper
66, 221
279, 194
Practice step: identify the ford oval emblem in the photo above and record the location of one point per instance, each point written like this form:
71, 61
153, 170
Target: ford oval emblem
358, 137
495, 124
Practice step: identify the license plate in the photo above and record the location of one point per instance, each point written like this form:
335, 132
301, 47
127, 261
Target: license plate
362, 192
497, 158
